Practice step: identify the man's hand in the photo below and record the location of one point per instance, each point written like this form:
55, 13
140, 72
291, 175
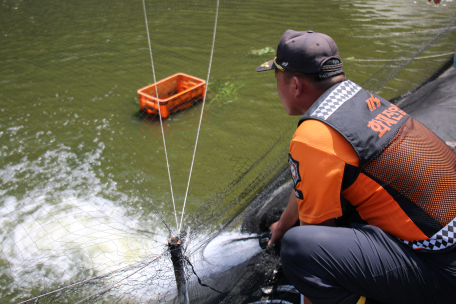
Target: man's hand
274, 235
288, 219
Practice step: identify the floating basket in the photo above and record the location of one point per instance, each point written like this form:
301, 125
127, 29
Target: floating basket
175, 93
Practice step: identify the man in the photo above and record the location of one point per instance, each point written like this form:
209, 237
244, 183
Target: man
374, 190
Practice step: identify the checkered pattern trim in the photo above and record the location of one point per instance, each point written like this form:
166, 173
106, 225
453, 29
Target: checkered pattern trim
441, 240
335, 99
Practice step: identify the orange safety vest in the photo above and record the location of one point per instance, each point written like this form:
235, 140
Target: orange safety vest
403, 167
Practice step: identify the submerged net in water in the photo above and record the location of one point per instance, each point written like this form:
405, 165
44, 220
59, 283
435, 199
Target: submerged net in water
85, 200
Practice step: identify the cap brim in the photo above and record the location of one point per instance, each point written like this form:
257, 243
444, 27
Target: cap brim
268, 65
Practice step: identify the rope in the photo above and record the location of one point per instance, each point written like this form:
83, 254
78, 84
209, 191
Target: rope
201, 118
431, 42
199, 279
398, 59
389, 34
159, 114
113, 284
88, 280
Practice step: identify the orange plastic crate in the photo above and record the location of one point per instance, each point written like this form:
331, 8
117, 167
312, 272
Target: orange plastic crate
175, 93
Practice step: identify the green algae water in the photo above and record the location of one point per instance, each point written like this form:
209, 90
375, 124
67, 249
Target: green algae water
84, 182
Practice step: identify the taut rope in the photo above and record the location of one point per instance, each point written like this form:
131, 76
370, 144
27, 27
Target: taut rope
201, 117
179, 226
159, 113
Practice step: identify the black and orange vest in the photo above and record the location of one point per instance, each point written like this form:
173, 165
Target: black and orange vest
398, 153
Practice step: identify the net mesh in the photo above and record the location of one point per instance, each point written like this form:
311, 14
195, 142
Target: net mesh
85, 207
423, 151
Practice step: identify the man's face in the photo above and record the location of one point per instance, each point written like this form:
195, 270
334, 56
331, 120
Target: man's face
286, 93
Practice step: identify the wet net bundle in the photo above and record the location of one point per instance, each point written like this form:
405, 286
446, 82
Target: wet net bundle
86, 206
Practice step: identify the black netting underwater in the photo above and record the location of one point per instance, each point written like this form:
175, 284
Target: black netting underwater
89, 197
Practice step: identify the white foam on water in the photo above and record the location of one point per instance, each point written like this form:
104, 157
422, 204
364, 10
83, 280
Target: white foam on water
61, 228
55, 242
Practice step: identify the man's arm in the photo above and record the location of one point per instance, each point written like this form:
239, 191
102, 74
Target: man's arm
289, 218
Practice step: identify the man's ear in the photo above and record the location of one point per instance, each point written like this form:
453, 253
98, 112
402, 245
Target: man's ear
297, 85
307, 86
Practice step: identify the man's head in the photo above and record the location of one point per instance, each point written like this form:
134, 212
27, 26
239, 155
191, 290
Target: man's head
306, 65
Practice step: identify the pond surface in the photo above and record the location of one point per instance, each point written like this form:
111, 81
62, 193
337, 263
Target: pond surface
84, 181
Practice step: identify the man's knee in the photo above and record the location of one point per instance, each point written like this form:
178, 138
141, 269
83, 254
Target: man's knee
298, 242
311, 243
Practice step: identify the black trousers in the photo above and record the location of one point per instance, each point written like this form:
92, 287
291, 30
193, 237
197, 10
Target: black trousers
338, 265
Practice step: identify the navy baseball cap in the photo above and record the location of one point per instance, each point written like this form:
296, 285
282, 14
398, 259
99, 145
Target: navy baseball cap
305, 52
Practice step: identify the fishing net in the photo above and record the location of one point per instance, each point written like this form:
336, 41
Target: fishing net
86, 202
